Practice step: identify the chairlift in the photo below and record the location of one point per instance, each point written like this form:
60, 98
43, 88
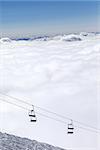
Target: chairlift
70, 128
32, 115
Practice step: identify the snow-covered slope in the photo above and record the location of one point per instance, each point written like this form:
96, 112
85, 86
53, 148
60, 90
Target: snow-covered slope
68, 38
5, 40
11, 142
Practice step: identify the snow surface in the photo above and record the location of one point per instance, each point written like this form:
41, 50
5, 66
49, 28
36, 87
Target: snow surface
56, 73
11, 142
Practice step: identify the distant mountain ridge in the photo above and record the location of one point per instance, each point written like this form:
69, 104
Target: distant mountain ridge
64, 37
11, 142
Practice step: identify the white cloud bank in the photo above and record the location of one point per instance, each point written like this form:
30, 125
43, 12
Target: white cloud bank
58, 75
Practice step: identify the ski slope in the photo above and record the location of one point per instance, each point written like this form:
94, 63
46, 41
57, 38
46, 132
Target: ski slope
8, 142
60, 73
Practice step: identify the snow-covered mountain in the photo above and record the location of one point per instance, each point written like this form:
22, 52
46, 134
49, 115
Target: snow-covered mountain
11, 142
6, 39
64, 37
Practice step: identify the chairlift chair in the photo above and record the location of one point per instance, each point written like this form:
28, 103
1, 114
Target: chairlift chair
32, 115
70, 128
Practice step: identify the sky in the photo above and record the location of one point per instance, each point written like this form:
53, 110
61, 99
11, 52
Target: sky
26, 18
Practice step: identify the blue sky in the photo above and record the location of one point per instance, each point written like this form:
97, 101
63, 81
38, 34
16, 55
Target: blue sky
27, 18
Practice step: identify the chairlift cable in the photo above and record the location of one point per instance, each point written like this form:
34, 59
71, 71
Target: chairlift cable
46, 116
61, 116
13, 104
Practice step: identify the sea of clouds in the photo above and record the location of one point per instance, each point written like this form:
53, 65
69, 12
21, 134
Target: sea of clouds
59, 73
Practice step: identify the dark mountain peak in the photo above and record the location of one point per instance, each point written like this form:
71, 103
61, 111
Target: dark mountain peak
12, 142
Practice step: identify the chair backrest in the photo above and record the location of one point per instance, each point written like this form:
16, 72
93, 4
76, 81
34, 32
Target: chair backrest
32, 115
